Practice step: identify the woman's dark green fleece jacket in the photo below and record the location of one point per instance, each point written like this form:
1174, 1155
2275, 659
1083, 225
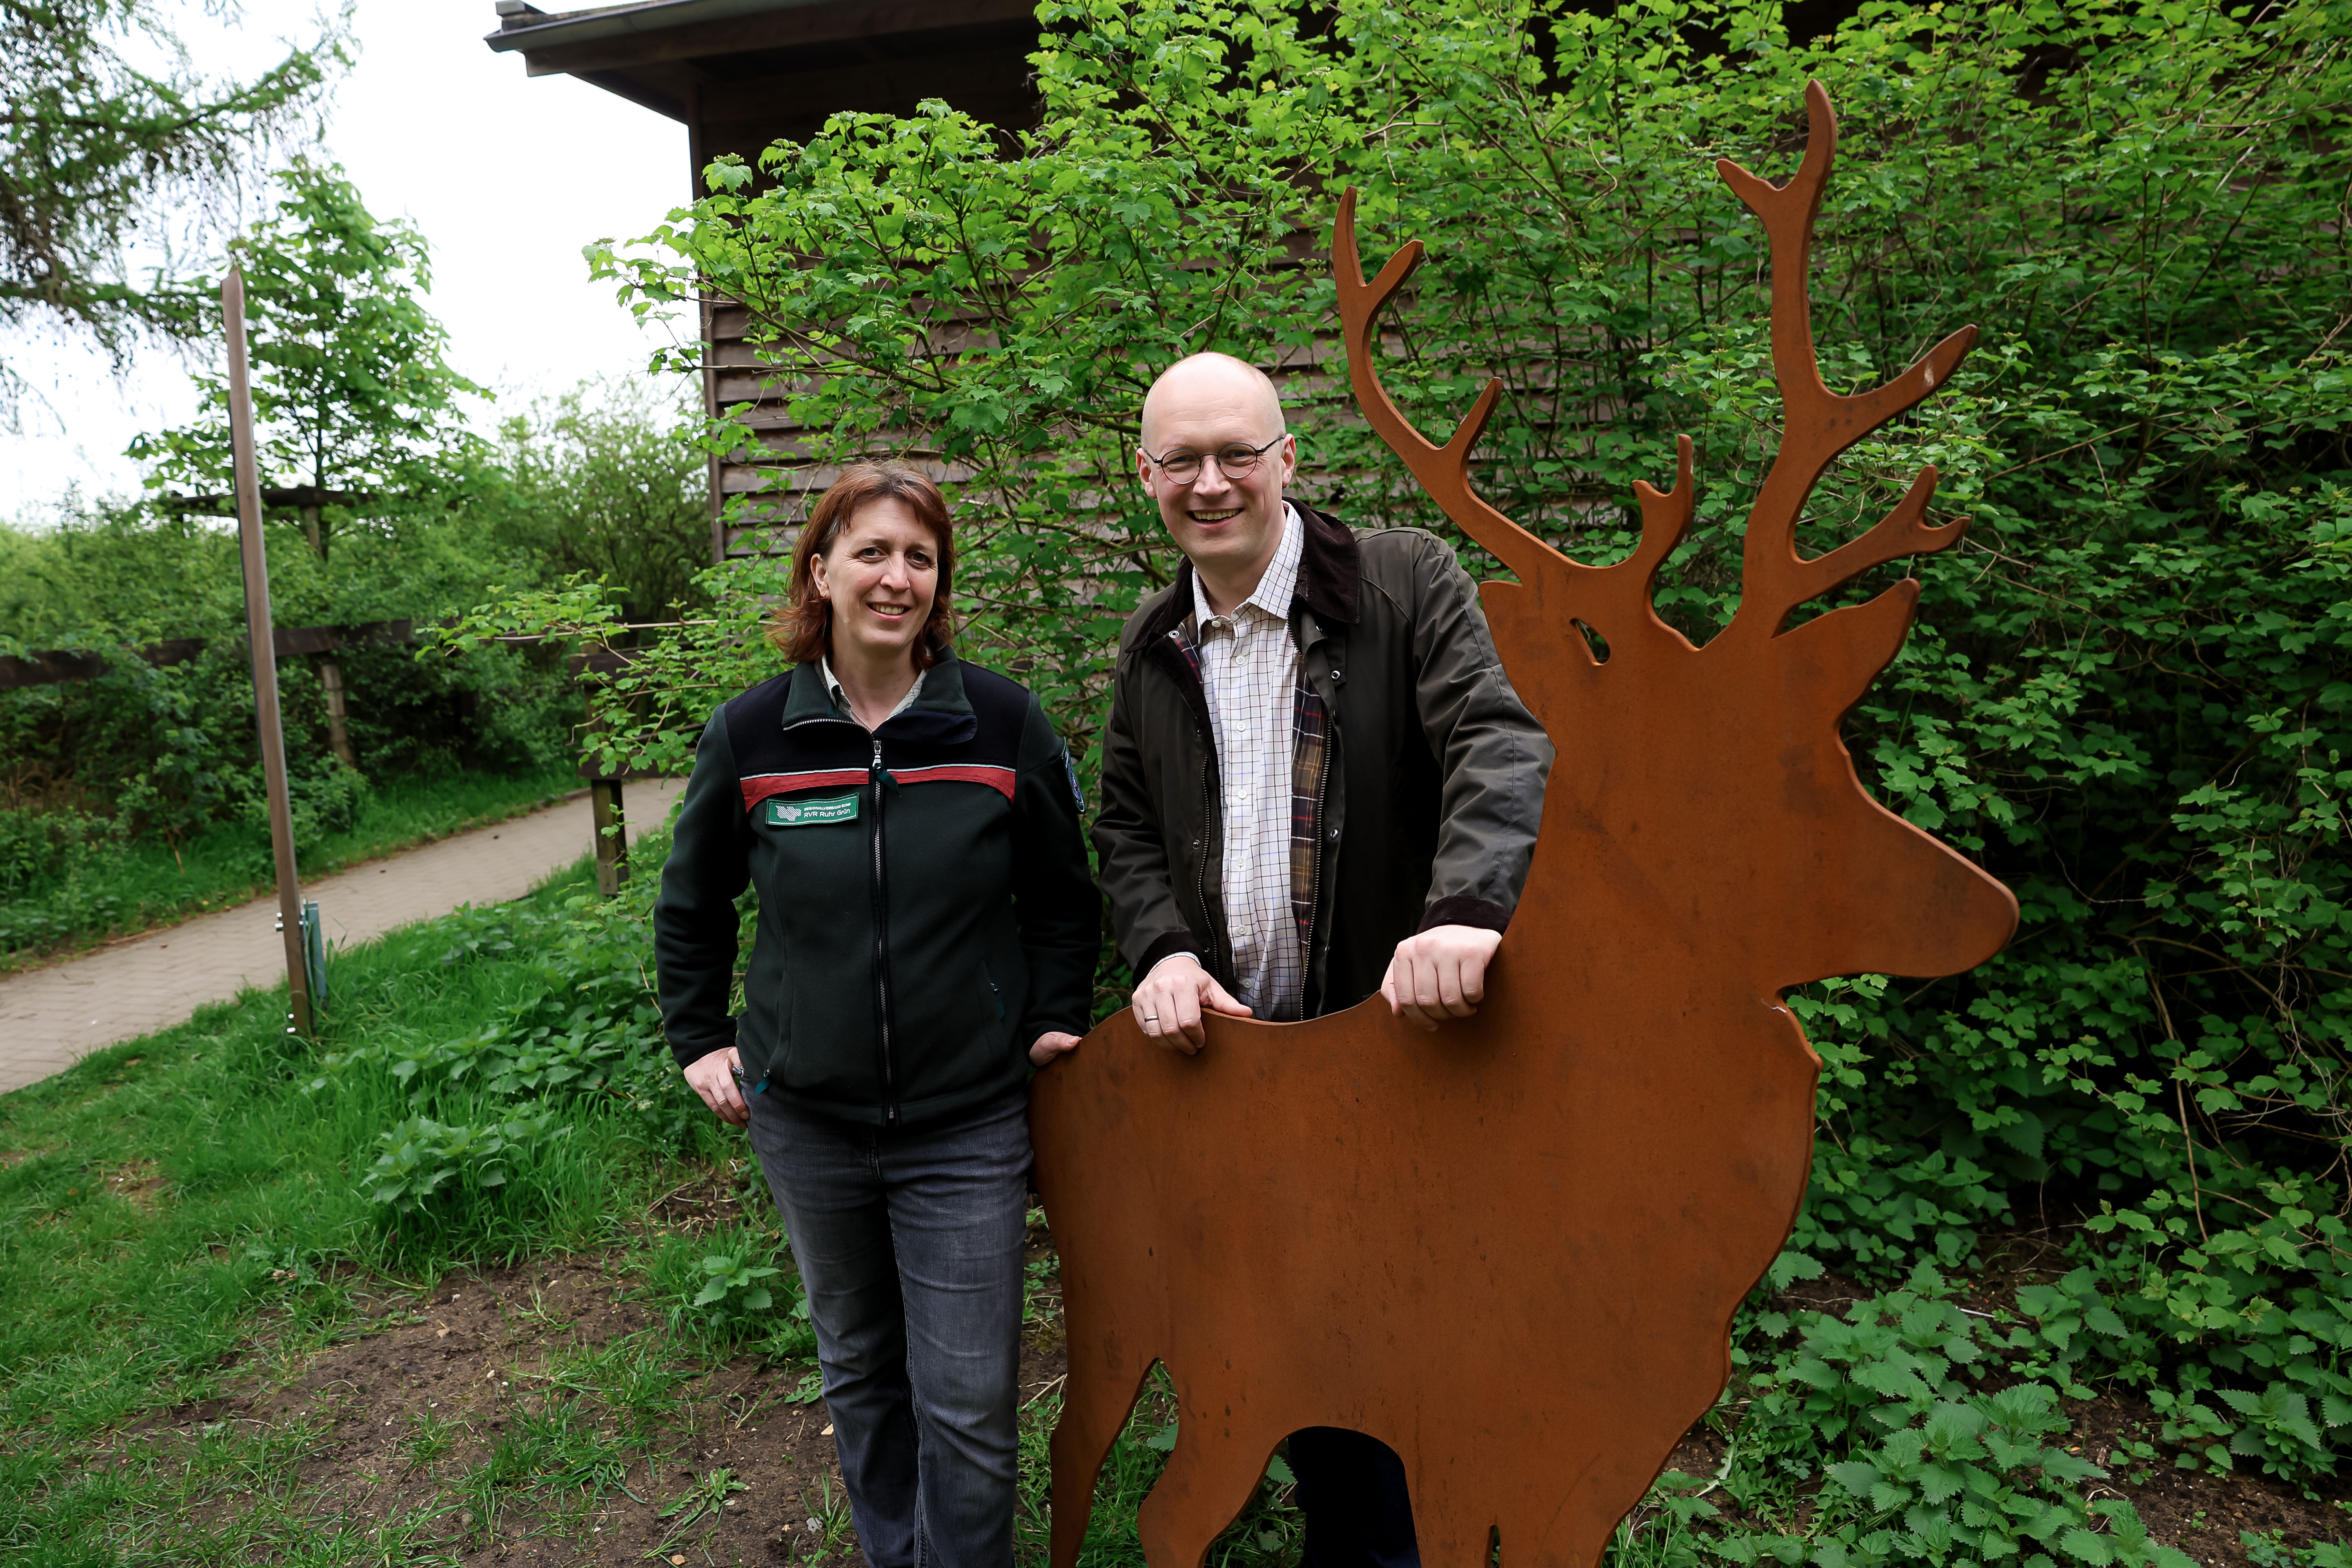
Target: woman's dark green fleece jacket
925, 906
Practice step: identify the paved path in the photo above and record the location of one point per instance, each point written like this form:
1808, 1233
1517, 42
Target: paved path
52, 1017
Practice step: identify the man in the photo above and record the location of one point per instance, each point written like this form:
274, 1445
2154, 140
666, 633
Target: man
1317, 783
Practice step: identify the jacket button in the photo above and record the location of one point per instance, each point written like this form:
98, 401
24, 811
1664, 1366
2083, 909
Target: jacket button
1335, 835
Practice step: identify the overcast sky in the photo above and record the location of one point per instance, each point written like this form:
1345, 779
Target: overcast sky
508, 177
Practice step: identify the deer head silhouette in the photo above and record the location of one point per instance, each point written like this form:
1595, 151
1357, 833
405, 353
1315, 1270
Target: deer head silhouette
1512, 1250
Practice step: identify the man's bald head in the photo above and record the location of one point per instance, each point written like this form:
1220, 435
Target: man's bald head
1226, 523
1206, 385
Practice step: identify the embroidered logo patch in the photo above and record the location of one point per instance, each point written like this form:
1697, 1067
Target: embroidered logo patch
810, 813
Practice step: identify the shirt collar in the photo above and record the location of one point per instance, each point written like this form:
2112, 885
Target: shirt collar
1274, 588
841, 699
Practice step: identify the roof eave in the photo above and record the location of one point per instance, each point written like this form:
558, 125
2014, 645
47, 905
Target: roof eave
653, 16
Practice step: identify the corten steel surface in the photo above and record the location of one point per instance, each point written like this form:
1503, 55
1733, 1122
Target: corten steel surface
1511, 1249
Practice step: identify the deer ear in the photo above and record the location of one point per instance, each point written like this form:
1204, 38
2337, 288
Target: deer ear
1835, 657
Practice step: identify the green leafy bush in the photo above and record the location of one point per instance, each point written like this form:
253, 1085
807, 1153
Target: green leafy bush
734, 1284
381, 506
1923, 1461
586, 1026
2265, 1549
422, 1159
38, 846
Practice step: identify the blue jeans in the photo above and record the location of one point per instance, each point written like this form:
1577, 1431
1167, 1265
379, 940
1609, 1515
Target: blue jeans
908, 1243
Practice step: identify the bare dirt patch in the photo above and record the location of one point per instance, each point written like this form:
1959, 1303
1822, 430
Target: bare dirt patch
2199, 1511
472, 1400
139, 1183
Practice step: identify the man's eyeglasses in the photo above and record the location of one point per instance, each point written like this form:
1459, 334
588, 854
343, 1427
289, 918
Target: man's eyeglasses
1235, 461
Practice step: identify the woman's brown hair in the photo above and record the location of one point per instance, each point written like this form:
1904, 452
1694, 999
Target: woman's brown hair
802, 628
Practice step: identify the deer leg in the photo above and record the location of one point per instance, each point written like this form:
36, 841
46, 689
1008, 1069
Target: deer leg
1574, 1531
1204, 1488
1095, 1406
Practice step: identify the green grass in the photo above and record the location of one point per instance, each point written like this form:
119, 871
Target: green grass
122, 1302
114, 889
180, 1214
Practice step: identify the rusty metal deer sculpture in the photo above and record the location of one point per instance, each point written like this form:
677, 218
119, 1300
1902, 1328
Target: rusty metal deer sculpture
1512, 1250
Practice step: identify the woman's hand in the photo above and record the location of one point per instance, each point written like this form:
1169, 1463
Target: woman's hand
715, 1077
1053, 1043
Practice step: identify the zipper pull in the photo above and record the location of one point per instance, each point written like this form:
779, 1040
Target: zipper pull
882, 775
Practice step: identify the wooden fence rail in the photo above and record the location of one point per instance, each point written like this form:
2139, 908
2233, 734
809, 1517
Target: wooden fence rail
55, 666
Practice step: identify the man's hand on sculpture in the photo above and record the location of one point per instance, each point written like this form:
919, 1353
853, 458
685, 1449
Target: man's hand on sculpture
718, 1078
1169, 1002
1440, 973
1050, 1045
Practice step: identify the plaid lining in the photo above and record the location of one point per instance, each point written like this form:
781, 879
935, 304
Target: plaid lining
1306, 728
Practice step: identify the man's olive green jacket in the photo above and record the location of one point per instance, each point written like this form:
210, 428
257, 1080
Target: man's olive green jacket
1433, 770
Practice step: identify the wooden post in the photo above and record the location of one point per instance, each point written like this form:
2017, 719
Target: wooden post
338, 734
612, 834
265, 656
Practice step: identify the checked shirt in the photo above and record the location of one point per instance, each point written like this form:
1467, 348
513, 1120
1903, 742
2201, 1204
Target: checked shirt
1268, 727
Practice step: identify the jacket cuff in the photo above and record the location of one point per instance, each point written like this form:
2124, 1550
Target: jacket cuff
687, 1053
1027, 1034
1168, 946
1460, 910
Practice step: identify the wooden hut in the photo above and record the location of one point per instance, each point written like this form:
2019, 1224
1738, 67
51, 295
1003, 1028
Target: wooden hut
741, 74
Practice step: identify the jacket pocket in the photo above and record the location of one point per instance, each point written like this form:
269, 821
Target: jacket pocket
763, 1036
779, 1053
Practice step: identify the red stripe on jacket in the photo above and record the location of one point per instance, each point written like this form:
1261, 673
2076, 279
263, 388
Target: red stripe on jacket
1001, 779
759, 786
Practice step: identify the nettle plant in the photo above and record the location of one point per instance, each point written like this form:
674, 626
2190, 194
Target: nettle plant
425, 1161
1921, 1462
584, 1037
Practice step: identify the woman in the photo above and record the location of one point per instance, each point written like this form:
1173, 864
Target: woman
927, 935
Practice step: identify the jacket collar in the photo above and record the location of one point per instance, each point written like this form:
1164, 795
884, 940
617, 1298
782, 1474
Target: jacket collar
942, 714
1330, 579
1330, 569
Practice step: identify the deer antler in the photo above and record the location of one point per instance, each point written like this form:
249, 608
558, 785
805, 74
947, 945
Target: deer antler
1816, 423
1443, 471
